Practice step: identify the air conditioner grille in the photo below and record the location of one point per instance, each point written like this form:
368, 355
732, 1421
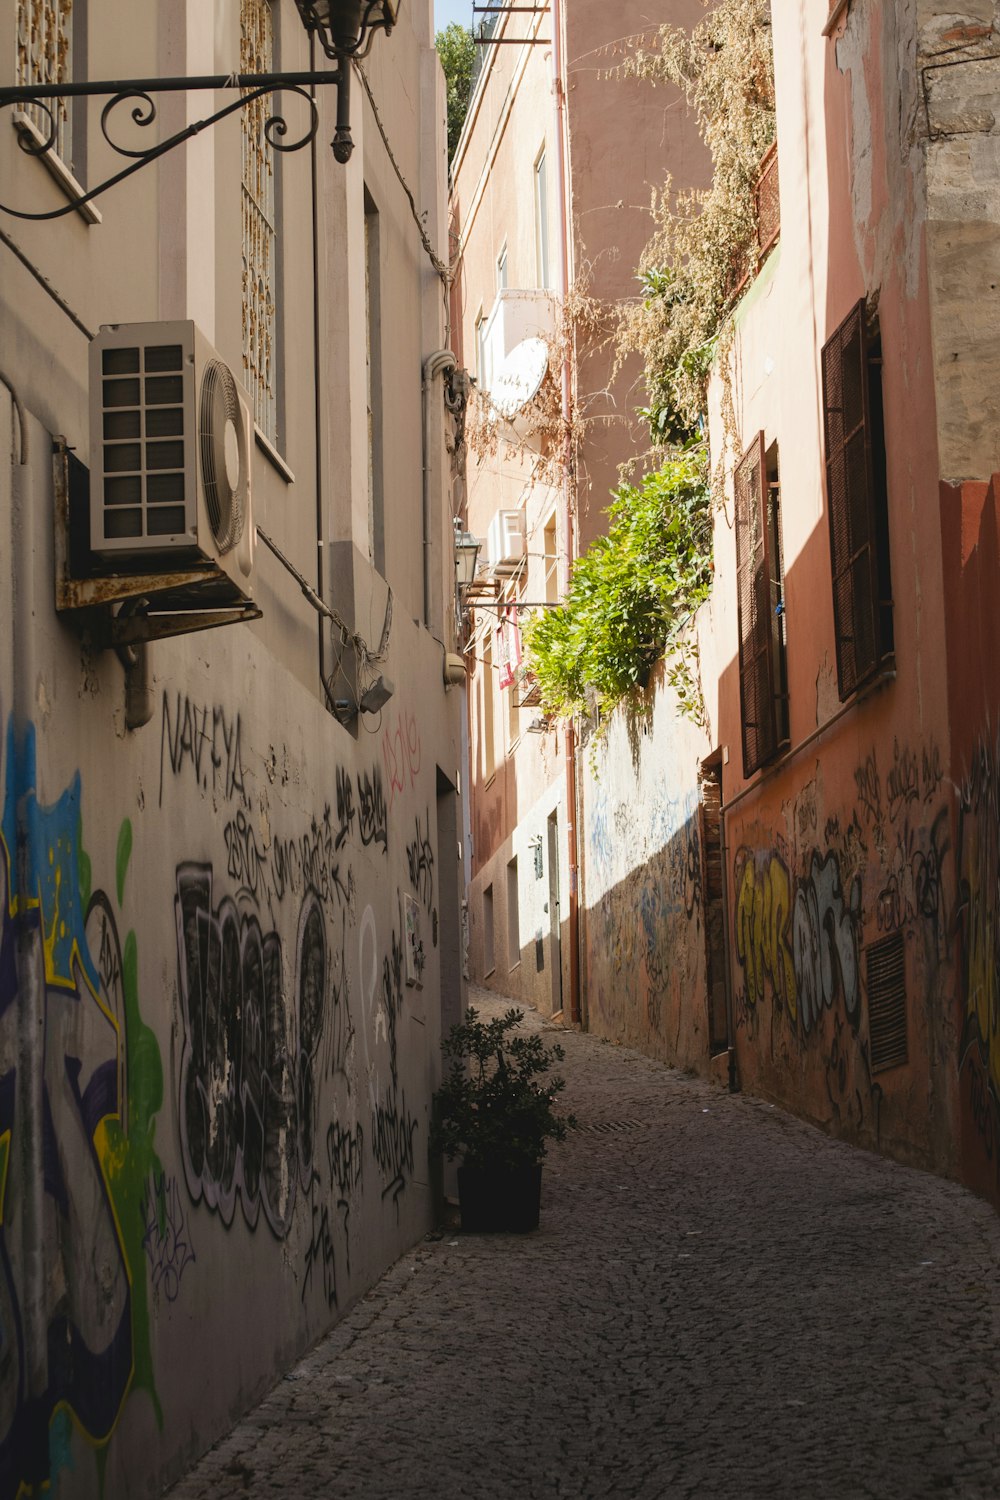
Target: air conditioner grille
142, 399
224, 459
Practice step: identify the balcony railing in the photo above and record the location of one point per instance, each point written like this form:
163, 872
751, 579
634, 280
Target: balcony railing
768, 215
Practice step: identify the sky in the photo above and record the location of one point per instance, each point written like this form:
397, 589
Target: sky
446, 11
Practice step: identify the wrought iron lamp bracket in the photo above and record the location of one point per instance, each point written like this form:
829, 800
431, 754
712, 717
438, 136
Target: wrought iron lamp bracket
141, 92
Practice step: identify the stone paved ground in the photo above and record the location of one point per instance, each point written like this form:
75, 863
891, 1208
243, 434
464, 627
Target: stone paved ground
720, 1302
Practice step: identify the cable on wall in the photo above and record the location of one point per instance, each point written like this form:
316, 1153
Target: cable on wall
45, 284
436, 262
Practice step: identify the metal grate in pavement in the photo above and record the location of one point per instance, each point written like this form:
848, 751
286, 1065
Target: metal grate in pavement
609, 1127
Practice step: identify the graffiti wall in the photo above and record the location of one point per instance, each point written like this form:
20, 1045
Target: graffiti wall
644, 973
230, 1097
841, 937
79, 1204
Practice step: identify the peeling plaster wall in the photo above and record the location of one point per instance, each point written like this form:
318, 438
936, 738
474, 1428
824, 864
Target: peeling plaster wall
959, 63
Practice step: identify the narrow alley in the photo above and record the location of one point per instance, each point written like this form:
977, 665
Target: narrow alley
721, 1301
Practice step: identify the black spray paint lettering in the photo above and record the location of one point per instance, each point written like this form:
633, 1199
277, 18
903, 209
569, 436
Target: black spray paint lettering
373, 825
166, 1240
345, 1155
420, 859
203, 742
345, 806
247, 1087
319, 1250
246, 862
393, 1129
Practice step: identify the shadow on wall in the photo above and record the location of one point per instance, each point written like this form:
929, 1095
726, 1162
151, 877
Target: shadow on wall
970, 534
644, 937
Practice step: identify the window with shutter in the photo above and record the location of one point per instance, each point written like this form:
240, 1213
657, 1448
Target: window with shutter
260, 223
857, 502
760, 607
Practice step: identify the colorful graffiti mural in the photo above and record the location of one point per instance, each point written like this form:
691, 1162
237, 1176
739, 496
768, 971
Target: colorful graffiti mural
77, 1120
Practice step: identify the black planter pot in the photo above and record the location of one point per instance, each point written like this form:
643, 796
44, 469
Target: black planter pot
493, 1200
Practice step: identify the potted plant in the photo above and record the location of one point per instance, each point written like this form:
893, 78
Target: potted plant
496, 1112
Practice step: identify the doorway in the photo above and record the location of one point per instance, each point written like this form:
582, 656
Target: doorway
555, 919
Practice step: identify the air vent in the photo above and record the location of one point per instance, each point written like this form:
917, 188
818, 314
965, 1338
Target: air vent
886, 962
171, 454
144, 486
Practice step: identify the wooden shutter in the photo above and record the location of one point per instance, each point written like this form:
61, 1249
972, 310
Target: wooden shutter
754, 606
851, 499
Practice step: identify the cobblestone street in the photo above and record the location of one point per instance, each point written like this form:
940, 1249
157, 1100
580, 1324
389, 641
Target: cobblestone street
720, 1302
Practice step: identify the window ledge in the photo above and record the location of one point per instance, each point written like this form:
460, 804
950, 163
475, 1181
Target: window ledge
54, 165
271, 453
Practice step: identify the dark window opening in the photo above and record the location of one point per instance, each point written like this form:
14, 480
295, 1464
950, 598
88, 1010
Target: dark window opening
857, 499
760, 606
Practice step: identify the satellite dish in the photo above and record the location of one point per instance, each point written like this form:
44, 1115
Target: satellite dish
520, 376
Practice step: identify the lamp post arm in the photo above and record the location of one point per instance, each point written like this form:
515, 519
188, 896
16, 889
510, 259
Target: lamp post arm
140, 93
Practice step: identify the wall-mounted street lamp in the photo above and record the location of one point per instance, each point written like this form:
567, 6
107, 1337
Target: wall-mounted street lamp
466, 556
345, 29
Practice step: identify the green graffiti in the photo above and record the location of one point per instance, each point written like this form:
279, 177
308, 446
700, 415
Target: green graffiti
132, 1162
123, 856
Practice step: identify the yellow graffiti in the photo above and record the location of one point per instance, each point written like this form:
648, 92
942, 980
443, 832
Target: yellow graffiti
763, 932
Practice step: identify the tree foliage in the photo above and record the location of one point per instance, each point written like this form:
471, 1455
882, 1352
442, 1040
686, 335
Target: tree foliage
630, 594
705, 242
457, 51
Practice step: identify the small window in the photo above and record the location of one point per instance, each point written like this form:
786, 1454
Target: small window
260, 224
513, 917
857, 500
502, 268
45, 38
886, 975
760, 606
481, 349
541, 221
489, 732
489, 955
551, 560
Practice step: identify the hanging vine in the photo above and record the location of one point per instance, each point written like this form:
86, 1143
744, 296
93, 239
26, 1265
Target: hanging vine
633, 594
630, 596
705, 243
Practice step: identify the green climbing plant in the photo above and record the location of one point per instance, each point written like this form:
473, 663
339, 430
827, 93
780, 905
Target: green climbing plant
705, 242
630, 596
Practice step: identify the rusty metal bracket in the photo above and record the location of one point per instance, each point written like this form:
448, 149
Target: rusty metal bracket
124, 609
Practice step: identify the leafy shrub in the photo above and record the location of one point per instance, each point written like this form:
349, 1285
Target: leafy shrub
630, 593
491, 1108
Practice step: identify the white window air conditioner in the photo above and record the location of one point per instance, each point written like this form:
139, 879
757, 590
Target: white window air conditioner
505, 541
171, 446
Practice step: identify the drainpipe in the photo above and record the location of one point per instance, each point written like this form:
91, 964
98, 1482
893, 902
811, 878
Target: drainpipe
569, 547
441, 362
